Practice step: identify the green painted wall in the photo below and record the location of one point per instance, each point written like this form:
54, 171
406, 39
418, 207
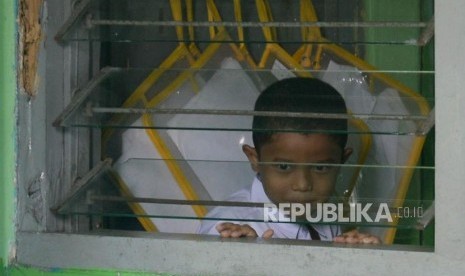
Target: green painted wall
7, 126
394, 57
427, 90
29, 271
408, 58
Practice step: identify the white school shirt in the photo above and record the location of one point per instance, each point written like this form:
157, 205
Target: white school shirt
255, 193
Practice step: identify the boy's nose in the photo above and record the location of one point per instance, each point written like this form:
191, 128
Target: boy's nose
303, 182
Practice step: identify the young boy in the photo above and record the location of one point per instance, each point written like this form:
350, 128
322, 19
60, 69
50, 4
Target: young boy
295, 159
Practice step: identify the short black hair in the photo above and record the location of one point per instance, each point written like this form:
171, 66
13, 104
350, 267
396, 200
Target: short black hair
299, 95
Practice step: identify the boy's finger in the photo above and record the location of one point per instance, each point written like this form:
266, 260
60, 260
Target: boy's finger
351, 240
225, 233
371, 240
351, 233
268, 234
339, 239
219, 227
232, 230
224, 225
248, 231
238, 231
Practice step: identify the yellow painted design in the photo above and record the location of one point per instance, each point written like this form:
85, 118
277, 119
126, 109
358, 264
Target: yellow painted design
146, 223
138, 97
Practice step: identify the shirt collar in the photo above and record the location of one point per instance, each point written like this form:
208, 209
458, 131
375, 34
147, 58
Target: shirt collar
289, 230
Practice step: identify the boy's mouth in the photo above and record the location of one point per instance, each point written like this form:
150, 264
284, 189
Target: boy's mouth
312, 200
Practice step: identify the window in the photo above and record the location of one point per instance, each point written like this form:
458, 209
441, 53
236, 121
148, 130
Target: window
111, 45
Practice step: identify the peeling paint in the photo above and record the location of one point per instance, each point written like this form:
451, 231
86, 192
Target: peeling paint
30, 39
35, 199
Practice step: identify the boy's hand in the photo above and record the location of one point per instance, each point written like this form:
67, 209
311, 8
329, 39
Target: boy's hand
233, 230
353, 237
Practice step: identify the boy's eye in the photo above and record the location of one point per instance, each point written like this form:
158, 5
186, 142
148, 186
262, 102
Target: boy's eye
321, 169
284, 167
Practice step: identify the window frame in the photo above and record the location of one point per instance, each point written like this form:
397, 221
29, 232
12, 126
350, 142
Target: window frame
193, 254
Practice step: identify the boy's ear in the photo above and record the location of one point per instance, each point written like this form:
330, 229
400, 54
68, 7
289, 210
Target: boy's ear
252, 155
346, 154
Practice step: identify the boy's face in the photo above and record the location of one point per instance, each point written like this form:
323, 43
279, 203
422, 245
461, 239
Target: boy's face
289, 170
